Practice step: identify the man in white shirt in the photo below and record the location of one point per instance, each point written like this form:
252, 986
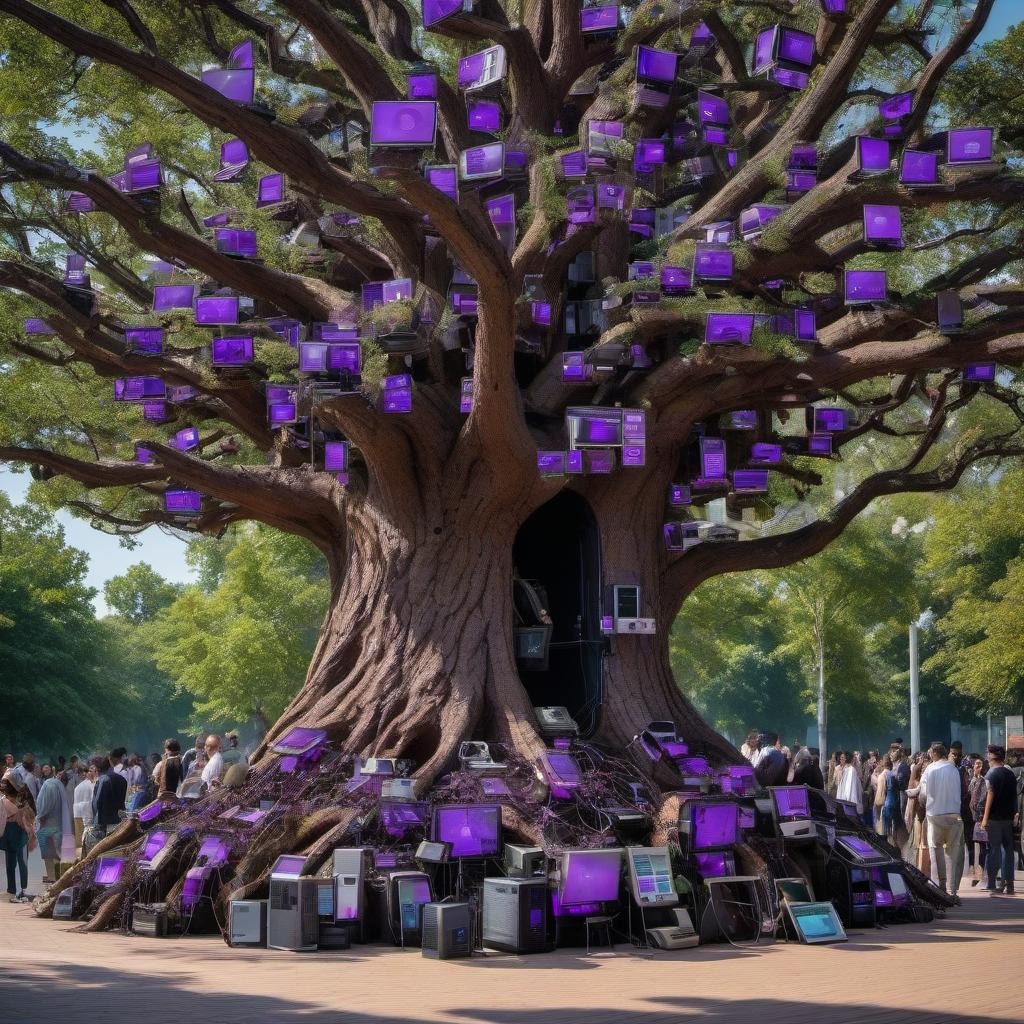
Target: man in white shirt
214, 762
940, 787
82, 804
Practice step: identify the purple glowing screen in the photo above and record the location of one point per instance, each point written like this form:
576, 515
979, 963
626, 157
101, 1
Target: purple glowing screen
980, 372
212, 310
791, 802
109, 870
183, 501
713, 264
474, 830
897, 107
713, 865
421, 87
410, 123
750, 480
155, 842
819, 444
231, 351
589, 876
484, 116
865, 285
437, 10
173, 296
861, 847
238, 85
712, 109
919, 168
270, 189
712, 458
288, 865
713, 825
298, 741
600, 19
764, 49
676, 279
728, 328
829, 419
969, 145
145, 339
882, 224
796, 46
764, 452
336, 456
873, 155
482, 161
654, 65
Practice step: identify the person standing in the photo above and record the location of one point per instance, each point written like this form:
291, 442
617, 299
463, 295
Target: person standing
17, 812
53, 822
25, 775
192, 754
214, 768
750, 745
940, 787
917, 843
232, 752
805, 770
977, 790
168, 774
81, 805
108, 796
998, 820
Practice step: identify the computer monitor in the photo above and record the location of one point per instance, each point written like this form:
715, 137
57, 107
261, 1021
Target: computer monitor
434, 11
712, 263
765, 453
712, 109
480, 70
815, 922
109, 870
969, 145
474, 830
561, 772
979, 372
864, 286
790, 803
484, 116
861, 850
728, 328
231, 351
589, 876
403, 124
594, 427
288, 866
173, 296
919, 168
873, 155
298, 741
794, 890
183, 502
602, 19
235, 84
713, 825
750, 481
657, 67
650, 876
883, 226
482, 162
828, 419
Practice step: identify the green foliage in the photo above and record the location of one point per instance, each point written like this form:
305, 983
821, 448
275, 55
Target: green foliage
239, 642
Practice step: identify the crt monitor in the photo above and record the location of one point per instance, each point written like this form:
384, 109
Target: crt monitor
790, 803
474, 830
650, 876
713, 825
589, 876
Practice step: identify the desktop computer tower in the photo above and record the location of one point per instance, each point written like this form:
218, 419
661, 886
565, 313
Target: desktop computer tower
516, 914
406, 894
447, 931
292, 920
349, 871
247, 923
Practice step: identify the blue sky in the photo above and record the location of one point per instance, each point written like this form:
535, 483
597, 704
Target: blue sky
167, 555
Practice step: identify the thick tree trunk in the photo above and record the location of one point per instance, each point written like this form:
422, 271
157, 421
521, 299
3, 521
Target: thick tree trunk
416, 653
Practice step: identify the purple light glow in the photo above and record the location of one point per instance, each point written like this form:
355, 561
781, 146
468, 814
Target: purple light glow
600, 19
589, 876
183, 502
750, 480
980, 372
873, 155
728, 328
919, 168
109, 870
770, 454
969, 145
173, 296
403, 123
791, 802
713, 825
216, 310
421, 87
865, 286
654, 65
474, 830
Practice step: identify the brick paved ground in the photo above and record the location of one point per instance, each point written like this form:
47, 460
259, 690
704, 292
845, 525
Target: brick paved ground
965, 969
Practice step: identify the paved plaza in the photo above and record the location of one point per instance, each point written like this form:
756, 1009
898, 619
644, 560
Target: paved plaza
964, 969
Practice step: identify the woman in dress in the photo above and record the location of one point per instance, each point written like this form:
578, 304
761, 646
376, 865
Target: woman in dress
849, 786
915, 819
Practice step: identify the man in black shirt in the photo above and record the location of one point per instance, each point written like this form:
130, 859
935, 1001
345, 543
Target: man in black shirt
1000, 811
108, 797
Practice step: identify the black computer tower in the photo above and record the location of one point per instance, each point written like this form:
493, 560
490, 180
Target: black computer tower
516, 914
853, 893
447, 931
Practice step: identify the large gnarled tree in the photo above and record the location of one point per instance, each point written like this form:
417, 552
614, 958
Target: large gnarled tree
416, 653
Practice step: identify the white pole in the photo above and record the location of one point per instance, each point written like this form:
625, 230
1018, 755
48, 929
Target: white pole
990, 728
915, 693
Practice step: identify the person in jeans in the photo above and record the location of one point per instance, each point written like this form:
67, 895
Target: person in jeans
17, 812
997, 819
940, 788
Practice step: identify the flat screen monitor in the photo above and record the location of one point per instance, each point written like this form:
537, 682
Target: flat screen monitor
187, 439
750, 481
712, 109
589, 876
764, 50
865, 286
183, 502
883, 225
599, 19
482, 162
919, 168
873, 155
403, 124
109, 870
480, 70
474, 830
650, 876
805, 325
656, 66
819, 444
728, 328
594, 427
231, 351
437, 10
217, 310
155, 842
829, 419
766, 454
173, 296
794, 890
969, 145
713, 825
815, 922
748, 818
895, 108
861, 849
235, 84
980, 372
850, 809
484, 116
790, 803
149, 340
713, 263
795, 47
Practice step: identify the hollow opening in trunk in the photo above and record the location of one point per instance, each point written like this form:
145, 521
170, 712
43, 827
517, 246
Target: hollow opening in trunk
557, 555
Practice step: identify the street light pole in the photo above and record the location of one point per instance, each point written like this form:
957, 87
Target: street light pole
822, 709
915, 693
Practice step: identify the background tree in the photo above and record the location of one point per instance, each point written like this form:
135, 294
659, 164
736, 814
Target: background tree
416, 651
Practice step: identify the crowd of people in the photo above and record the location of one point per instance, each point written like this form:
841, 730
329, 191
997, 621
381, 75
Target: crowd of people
65, 806
946, 812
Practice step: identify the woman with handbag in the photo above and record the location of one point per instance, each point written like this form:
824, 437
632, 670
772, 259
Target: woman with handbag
19, 834
977, 790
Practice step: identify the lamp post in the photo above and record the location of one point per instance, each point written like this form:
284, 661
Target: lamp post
923, 622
